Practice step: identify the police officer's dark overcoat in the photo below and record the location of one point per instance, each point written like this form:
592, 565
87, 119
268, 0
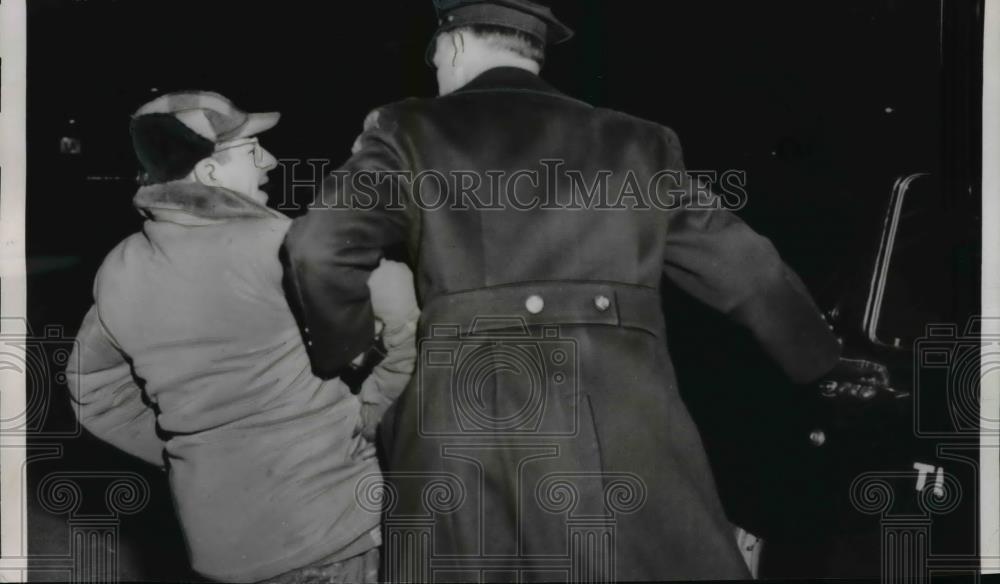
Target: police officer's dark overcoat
542, 431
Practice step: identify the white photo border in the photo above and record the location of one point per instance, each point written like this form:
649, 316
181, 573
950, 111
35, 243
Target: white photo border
989, 453
13, 284
13, 293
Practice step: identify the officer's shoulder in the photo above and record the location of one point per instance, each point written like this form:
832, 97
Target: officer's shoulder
641, 124
384, 116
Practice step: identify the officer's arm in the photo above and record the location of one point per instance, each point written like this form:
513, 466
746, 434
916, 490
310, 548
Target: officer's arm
108, 401
329, 253
716, 257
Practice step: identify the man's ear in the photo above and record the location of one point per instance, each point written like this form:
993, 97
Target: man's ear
458, 42
205, 171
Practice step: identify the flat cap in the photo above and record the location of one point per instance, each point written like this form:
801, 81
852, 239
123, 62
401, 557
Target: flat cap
171, 133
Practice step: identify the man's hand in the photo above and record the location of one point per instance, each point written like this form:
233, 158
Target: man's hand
393, 298
857, 378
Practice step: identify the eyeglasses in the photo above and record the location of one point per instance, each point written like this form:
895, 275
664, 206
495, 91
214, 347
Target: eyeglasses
256, 151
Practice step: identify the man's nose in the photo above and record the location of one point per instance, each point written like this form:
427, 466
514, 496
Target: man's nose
267, 160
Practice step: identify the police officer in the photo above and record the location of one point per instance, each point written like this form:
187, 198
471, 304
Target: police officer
542, 436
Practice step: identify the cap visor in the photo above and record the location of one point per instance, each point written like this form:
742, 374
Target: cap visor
255, 124
559, 32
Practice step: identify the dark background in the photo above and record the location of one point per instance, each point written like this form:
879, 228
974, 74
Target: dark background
824, 104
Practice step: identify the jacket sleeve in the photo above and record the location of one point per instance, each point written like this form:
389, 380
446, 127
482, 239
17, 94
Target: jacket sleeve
330, 252
714, 256
109, 402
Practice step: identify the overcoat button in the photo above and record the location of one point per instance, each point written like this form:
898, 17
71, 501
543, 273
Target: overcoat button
602, 302
534, 304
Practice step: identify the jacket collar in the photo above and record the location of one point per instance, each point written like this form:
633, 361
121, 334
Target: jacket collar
191, 203
509, 78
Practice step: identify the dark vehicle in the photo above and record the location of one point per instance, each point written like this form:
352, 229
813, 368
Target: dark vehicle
842, 486
834, 485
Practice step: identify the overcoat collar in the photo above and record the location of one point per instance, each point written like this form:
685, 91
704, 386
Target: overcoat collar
510, 79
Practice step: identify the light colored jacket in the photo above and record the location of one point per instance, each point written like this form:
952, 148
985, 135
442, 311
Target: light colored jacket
191, 359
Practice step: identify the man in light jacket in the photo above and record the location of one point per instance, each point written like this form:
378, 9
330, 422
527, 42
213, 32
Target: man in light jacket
191, 359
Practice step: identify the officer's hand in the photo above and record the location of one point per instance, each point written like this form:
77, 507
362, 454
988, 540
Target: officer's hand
394, 300
856, 378
373, 407
368, 421
364, 448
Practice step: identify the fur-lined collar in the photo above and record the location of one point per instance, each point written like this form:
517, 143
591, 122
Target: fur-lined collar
195, 203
